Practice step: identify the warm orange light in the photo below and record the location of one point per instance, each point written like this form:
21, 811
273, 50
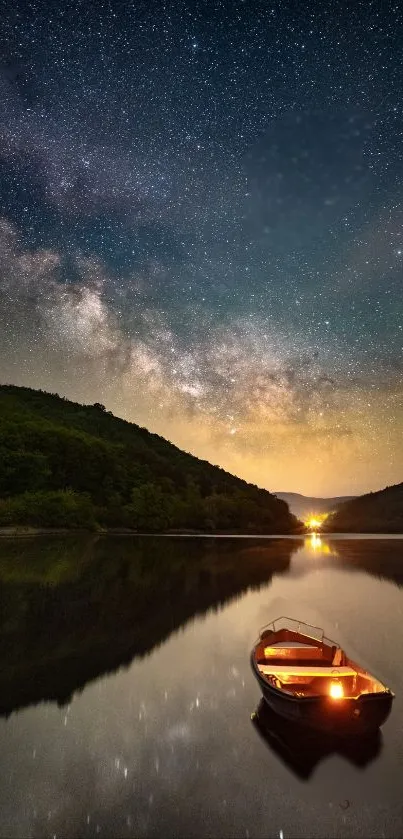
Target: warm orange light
316, 542
271, 651
336, 690
317, 545
315, 520
313, 523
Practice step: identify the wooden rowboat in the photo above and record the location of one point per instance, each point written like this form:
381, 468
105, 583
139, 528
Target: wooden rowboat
306, 677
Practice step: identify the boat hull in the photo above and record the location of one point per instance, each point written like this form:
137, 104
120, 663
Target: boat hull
349, 717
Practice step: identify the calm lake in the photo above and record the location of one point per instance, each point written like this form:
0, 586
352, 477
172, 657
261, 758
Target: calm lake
126, 692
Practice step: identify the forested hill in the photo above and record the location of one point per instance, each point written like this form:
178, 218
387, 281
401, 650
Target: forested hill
68, 465
377, 512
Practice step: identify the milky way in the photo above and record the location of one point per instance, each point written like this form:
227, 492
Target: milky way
202, 227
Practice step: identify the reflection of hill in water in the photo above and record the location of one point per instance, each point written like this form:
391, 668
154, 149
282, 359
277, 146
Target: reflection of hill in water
72, 611
381, 558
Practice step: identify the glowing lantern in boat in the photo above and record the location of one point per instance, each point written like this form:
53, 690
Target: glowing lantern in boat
336, 690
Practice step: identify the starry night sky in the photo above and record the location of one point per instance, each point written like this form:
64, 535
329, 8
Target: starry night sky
202, 226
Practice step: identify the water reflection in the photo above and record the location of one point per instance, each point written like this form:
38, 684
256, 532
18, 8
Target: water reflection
301, 750
158, 632
382, 558
72, 610
319, 546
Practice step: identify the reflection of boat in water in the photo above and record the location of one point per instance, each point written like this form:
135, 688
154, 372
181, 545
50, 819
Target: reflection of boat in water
307, 678
301, 748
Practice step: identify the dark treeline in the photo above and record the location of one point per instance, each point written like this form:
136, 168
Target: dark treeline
68, 465
377, 512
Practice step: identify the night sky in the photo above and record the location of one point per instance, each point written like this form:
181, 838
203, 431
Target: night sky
202, 226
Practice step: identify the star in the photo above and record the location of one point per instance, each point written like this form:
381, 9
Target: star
200, 224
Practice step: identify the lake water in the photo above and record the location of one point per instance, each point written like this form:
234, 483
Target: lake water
126, 692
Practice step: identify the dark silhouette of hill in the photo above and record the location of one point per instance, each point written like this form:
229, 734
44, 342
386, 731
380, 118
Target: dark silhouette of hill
73, 610
376, 512
303, 505
68, 465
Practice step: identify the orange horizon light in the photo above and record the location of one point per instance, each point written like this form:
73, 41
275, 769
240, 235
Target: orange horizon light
315, 520
313, 523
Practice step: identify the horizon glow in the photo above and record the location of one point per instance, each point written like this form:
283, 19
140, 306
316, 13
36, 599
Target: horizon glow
201, 226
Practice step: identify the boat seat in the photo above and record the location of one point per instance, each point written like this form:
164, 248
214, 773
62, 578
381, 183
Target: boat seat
280, 670
293, 652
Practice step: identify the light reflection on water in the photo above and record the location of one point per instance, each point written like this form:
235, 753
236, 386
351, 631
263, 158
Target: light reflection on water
163, 744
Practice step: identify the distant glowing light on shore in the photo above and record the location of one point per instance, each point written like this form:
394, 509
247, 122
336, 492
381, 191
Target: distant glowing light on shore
315, 521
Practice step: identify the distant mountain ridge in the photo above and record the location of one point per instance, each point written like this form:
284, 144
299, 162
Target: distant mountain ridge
375, 512
303, 505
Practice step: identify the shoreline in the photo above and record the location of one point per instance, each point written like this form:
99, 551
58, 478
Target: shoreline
20, 531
